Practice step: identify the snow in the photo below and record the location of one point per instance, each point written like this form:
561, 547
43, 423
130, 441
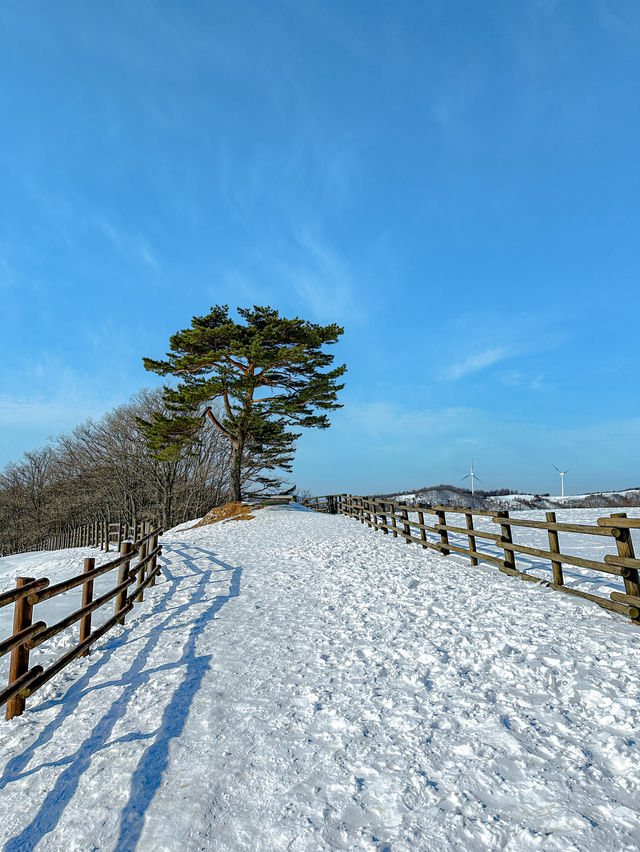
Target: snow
572, 544
299, 681
448, 496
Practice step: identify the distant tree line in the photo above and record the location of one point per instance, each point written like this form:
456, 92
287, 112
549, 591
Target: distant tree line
420, 492
103, 471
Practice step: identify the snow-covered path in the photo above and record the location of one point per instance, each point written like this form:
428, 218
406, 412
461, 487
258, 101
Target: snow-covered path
301, 682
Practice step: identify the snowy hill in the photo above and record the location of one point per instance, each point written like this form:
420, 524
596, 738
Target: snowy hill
298, 681
445, 496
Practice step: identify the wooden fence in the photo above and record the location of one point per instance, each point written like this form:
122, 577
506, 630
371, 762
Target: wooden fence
100, 534
30, 591
393, 518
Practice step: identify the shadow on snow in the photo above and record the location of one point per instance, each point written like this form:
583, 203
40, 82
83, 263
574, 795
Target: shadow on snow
147, 775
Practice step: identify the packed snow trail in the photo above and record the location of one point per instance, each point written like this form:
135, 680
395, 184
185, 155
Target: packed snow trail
300, 682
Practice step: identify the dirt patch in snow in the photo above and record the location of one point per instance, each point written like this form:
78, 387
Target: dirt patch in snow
228, 512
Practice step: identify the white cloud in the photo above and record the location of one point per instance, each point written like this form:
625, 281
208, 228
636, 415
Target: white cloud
18, 412
479, 361
320, 276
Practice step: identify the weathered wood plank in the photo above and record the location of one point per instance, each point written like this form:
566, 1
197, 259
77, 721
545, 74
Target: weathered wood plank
19, 663
13, 595
554, 547
564, 557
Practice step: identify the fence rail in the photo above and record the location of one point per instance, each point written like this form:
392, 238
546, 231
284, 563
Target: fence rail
29, 592
101, 534
393, 518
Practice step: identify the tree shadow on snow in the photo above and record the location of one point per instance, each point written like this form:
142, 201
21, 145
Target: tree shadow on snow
148, 774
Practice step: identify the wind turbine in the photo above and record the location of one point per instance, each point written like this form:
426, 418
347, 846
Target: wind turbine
562, 473
473, 478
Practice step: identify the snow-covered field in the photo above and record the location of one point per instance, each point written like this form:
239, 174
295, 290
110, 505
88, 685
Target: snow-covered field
448, 496
56, 565
300, 682
586, 546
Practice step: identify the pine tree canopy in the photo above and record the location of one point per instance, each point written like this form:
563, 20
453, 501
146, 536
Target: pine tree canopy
252, 379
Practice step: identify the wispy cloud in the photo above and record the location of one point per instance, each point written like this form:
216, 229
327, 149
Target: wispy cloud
323, 277
472, 338
310, 266
516, 378
54, 414
478, 361
381, 421
47, 395
399, 447
131, 247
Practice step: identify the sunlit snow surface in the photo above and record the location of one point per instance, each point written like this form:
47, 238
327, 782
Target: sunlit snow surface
300, 682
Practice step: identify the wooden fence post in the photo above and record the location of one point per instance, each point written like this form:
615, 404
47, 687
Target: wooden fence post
369, 514
472, 538
383, 517
505, 532
123, 573
444, 535
141, 555
87, 597
624, 543
152, 566
554, 547
393, 520
406, 528
22, 617
423, 532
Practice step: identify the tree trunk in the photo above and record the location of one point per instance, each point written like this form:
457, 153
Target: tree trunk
167, 510
235, 494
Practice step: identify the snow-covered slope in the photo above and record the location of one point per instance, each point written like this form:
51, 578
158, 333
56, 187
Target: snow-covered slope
300, 682
445, 496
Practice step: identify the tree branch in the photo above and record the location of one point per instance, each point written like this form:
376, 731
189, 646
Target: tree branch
214, 420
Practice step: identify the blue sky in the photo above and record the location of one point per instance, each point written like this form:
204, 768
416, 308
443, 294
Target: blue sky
455, 182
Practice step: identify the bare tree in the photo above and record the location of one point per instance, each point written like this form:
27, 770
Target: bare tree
103, 471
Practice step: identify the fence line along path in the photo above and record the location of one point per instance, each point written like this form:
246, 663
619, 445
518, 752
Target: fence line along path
398, 519
28, 633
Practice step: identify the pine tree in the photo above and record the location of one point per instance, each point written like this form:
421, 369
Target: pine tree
225, 370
